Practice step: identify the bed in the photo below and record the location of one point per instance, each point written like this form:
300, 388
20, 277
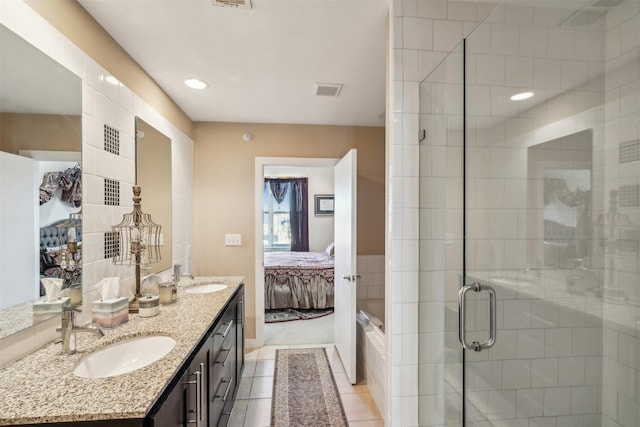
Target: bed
298, 280
49, 248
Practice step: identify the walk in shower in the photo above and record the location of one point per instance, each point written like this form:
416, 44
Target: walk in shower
537, 199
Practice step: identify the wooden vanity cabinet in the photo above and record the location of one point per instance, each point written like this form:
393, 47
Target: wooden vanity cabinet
203, 394
186, 403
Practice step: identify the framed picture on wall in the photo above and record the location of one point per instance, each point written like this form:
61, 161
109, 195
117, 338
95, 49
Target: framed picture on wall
324, 204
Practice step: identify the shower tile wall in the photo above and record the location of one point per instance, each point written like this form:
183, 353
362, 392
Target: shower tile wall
370, 290
415, 48
116, 106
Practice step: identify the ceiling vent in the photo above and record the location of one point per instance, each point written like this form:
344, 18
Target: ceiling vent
590, 13
243, 4
328, 89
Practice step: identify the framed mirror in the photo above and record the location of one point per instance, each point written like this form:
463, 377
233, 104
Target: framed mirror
153, 175
40, 136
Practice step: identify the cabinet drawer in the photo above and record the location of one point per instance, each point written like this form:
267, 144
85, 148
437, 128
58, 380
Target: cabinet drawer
225, 329
222, 398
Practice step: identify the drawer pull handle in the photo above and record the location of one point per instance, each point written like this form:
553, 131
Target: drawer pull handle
198, 382
226, 331
226, 392
226, 359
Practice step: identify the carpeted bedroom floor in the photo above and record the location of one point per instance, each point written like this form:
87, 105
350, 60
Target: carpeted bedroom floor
309, 331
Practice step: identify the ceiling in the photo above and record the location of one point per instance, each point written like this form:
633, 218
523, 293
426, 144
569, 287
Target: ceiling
261, 63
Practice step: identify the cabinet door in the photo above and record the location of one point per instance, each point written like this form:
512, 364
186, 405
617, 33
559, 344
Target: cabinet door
173, 410
197, 388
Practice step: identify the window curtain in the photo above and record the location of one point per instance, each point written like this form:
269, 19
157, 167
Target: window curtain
278, 188
299, 215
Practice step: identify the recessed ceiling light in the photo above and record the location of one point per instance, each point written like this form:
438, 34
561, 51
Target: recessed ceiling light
522, 95
196, 84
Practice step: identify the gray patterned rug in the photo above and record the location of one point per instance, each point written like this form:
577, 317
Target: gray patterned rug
304, 390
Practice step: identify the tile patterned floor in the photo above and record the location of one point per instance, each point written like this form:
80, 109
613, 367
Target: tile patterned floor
253, 401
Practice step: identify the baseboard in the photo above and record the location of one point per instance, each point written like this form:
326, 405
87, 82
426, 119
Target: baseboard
251, 343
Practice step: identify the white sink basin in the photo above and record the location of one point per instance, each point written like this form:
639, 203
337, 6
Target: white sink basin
206, 289
124, 356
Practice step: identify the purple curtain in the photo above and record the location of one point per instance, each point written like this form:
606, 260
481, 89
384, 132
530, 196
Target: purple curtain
299, 215
278, 188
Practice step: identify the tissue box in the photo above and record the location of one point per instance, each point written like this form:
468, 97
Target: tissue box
111, 312
43, 309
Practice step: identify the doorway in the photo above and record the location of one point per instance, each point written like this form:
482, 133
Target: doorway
290, 166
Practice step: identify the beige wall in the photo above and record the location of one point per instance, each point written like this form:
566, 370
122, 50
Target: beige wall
78, 26
224, 189
39, 132
153, 175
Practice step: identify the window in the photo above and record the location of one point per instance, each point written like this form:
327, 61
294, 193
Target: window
276, 221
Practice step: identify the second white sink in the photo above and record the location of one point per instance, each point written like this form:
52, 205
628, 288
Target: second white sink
205, 289
124, 356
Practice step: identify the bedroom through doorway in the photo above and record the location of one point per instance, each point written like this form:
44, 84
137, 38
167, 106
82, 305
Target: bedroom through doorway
294, 268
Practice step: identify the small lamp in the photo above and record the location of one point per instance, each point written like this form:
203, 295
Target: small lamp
70, 232
137, 242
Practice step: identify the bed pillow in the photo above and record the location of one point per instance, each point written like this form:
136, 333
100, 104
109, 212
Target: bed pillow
329, 250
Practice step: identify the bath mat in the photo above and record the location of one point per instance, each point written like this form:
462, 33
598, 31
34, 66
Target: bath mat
290, 314
304, 390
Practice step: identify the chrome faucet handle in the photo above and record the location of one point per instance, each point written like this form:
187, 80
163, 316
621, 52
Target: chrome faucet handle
176, 270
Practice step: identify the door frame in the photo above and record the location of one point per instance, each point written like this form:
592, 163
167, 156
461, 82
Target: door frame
260, 164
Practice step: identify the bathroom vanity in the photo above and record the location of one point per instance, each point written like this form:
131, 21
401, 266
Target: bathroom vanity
195, 383
203, 392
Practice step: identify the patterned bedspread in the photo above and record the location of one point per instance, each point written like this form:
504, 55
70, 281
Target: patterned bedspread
302, 264
298, 280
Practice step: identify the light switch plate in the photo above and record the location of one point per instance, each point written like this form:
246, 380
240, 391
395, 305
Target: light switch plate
232, 239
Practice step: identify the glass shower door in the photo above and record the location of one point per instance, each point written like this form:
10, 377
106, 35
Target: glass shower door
552, 215
537, 198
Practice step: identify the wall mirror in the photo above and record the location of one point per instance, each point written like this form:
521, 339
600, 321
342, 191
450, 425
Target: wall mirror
560, 187
40, 134
153, 175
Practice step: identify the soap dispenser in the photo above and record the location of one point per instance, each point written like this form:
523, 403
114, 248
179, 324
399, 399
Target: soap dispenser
168, 293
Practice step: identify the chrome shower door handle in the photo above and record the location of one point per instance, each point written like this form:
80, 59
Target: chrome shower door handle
475, 345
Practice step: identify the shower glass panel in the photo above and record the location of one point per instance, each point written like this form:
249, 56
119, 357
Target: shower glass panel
441, 250
540, 200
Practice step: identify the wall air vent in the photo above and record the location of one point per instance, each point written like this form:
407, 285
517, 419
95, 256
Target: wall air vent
607, 3
243, 4
328, 89
590, 14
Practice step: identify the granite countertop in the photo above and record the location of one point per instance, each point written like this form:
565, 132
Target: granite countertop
41, 386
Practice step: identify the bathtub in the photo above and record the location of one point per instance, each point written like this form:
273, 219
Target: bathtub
370, 357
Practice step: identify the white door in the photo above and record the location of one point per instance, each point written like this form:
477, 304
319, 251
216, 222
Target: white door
19, 265
345, 198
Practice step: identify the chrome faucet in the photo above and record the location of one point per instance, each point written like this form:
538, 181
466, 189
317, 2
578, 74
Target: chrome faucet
68, 330
177, 274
